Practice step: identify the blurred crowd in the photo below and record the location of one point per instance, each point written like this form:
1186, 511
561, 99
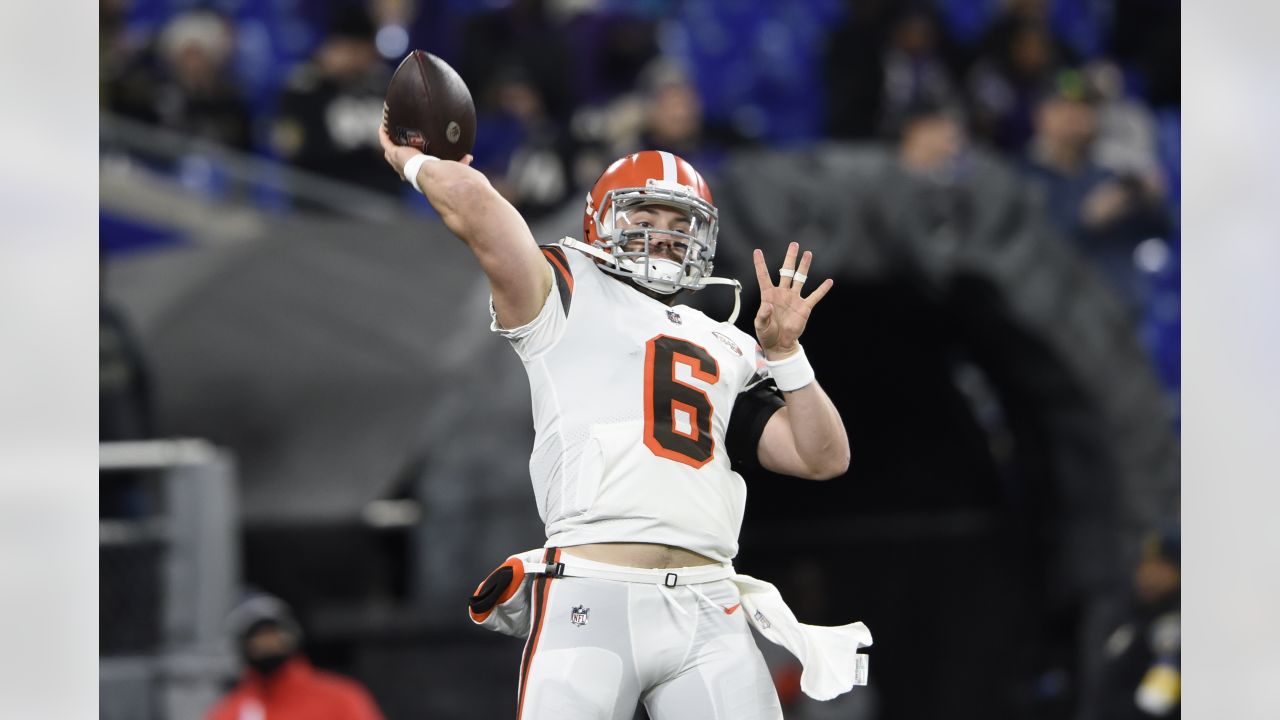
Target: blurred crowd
1084, 96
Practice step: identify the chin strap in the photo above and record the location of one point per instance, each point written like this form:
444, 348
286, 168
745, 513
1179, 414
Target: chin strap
737, 293
599, 254
591, 250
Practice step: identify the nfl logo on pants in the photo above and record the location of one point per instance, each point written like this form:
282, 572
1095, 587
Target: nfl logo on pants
578, 615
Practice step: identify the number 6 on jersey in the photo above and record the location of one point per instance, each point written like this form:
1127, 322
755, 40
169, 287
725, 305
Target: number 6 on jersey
677, 415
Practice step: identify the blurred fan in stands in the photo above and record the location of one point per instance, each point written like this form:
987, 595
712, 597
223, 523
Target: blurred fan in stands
329, 104
278, 682
183, 81
1104, 213
1142, 665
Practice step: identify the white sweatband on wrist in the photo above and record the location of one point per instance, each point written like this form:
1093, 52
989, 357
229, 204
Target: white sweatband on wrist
412, 167
791, 373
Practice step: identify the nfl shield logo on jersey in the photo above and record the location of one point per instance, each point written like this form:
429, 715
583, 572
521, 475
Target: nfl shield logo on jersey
578, 615
674, 317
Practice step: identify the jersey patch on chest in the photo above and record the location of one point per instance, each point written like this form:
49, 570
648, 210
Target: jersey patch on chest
728, 342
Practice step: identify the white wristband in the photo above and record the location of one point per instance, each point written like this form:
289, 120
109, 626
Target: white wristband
791, 373
412, 167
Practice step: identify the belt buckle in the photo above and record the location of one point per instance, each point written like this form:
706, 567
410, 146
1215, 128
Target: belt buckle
671, 580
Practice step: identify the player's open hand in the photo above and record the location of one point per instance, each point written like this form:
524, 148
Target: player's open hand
397, 155
783, 312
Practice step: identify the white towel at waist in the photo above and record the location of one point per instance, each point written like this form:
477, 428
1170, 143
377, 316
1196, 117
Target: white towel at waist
829, 655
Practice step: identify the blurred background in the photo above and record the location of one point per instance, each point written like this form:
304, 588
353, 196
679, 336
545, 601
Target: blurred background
299, 394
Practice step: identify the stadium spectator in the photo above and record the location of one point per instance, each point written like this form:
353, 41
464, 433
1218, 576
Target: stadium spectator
881, 61
1106, 215
329, 102
521, 34
931, 137
1014, 17
199, 95
1126, 139
278, 682
1005, 82
524, 152
183, 82
673, 118
915, 67
1142, 658
665, 113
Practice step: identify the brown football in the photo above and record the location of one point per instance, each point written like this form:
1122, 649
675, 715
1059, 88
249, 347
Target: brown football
430, 108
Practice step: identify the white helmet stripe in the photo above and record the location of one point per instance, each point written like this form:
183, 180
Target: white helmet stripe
668, 167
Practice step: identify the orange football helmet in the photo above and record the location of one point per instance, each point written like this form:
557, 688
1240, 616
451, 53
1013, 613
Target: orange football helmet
652, 177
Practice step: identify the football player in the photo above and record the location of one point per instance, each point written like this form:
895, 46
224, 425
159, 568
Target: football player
643, 407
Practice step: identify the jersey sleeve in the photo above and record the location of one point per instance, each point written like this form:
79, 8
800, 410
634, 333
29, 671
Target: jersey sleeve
543, 332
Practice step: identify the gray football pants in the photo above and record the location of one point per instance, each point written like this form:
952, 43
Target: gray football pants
597, 648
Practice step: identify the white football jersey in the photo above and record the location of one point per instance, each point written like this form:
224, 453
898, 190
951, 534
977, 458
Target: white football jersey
631, 404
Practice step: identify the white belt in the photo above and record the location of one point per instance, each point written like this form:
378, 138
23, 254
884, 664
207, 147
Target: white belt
669, 577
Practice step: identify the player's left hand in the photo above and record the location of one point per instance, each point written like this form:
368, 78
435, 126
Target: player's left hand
783, 312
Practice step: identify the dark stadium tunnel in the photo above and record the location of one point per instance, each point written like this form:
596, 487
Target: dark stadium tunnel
1006, 429
928, 536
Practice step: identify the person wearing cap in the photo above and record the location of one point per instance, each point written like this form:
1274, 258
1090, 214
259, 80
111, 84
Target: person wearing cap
279, 682
1104, 214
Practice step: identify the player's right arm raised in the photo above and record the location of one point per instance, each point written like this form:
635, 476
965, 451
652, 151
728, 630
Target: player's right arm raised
519, 277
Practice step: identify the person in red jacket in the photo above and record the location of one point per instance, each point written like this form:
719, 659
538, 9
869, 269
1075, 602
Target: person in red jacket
278, 681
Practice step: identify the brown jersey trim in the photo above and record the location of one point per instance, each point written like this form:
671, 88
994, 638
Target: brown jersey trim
564, 276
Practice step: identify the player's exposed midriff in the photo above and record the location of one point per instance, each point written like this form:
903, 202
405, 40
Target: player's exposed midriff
641, 555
